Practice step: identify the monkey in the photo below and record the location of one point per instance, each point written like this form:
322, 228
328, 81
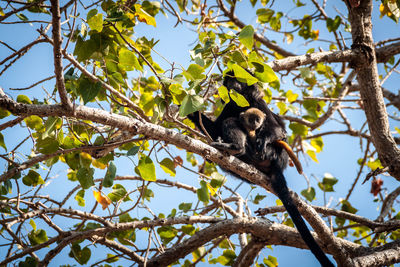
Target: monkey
256, 135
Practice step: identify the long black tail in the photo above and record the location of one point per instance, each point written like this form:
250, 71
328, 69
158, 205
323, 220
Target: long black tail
280, 187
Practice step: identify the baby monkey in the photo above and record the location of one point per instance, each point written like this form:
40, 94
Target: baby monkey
240, 136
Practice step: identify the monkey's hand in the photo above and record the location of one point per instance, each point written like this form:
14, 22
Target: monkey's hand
229, 148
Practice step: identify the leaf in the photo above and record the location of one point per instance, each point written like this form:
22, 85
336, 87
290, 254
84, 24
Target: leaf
146, 168
96, 22
104, 201
129, 60
271, 261
202, 193
264, 15
82, 256
23, 99
133, 151
168, 166
190, 104
309, 193
243, 76
32, 179
333, 24
246, 37
110, 175
317, 143
34, 122
291, 97
50, 125
188, 229
33, 224
258, 198
85, 177
217, 180
264, 73
2, 144
143, 16
48, 145
118, 193
224, 94
346, 206
111, 258
79, 197
185, 207
327, 183
37, 237
88, 90
4, 113
239, 99
194, 72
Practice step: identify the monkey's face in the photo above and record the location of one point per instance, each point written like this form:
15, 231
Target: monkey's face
252, 120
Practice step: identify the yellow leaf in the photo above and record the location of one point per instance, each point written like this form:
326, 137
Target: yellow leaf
98, 164
103, 200
143, 16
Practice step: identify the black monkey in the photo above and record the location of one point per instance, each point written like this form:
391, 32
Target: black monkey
257, 142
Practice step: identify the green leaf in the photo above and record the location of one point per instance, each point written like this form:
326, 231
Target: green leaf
264, 14
133, 151
129, 60
4, 113
298, 129
327, 183
32, 179
243, 76
185, 207
333, 24
110, 175
202, 193
33, 224
168, 166
346, 206
80, 198
143, 16
85, 177
34, 122
82, 256
224, 94
264, 73
190, 104
309, 193
2, 144
37, 237
271, 261
188, 229
118, 193
318, 144
258, 198
22, 17
23, 99
217, 180
111, 258
48, 145
146, 168
50, 125
96, 22
246, 37
194, 72
88, 90
239, 99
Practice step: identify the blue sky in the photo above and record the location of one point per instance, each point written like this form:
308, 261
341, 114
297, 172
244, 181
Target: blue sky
338, 157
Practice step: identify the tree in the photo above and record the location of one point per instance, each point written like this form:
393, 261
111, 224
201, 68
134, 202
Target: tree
114, 105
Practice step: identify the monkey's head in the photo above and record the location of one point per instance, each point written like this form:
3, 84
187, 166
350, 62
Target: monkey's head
252, 119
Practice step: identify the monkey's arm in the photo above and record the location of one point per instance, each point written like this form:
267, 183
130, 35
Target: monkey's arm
233, 138
291, 154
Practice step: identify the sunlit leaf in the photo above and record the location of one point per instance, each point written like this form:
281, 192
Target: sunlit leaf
190, 104
96, 22
202, 193
32, 179
243, 76
103, 200
2, 144
80, 198
309, 193
246, 37
239, 99
168, 166
146, 168
37, 237
143, 16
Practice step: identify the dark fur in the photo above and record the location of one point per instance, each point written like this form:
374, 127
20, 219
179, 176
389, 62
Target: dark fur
231, 135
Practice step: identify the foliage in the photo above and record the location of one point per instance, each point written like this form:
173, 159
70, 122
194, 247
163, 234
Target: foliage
52, 162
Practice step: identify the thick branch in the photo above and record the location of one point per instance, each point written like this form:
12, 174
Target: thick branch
58, 68
371, 93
